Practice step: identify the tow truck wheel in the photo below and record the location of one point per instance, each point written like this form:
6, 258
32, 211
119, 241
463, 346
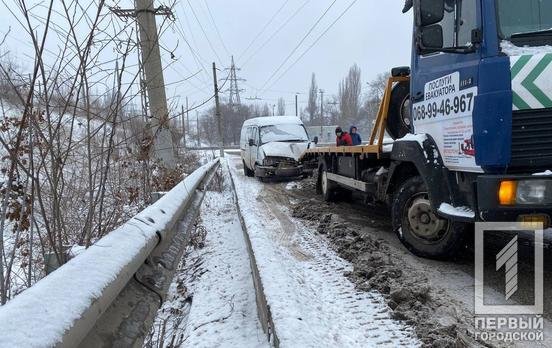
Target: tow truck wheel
246, 171
399, 122
324, 185
418, 226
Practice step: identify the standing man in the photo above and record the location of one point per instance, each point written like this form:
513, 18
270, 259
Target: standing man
357, 140
342, 138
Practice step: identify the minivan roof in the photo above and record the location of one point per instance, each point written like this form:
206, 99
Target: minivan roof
272, 121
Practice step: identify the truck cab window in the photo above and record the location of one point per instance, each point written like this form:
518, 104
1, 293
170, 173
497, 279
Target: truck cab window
459, 20
467, 21
449, 24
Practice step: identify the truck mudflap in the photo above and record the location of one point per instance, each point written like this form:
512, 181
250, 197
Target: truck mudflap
516, 198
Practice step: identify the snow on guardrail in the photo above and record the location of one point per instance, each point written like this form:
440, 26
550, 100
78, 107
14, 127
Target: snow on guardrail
63, 307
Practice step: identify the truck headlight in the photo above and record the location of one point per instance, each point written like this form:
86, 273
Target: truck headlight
525, 192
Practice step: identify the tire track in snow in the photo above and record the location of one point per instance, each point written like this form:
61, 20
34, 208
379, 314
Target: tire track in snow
313, 304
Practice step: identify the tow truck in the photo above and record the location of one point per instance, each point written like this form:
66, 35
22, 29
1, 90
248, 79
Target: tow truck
470, 123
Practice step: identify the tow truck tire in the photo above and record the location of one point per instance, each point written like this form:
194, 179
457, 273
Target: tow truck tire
419, 228
247, 172
325, 186
399, 121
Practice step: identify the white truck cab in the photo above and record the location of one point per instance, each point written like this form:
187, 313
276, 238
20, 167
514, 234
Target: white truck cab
272, 146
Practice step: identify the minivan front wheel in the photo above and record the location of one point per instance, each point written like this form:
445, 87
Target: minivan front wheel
246, 171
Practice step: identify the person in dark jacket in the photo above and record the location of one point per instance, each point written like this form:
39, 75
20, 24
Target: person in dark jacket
357, 140
342, 138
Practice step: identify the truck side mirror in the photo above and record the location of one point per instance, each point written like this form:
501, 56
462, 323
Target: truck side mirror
251, 142
315, 140
431, 12
431, 38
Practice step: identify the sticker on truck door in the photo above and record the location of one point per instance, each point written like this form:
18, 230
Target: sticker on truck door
446, 114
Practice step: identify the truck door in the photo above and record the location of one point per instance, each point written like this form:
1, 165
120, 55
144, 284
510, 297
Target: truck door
445, 66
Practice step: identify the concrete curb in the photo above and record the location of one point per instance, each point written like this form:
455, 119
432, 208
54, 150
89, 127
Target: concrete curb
263, 309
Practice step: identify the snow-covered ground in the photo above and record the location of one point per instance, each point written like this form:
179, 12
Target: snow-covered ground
216, 278
312, 303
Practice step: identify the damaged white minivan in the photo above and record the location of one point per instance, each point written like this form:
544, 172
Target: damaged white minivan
271, 147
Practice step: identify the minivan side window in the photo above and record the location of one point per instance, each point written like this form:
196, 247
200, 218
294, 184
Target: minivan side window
244, 138
255, 135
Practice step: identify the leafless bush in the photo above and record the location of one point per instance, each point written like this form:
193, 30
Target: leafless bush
75, 153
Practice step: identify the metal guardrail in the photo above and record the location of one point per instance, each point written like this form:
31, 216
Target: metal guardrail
109, 294
213, 148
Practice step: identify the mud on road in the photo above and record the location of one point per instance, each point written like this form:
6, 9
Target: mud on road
435, 297
438, 321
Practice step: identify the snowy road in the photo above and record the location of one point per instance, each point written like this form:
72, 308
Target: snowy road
362, 232
312, 303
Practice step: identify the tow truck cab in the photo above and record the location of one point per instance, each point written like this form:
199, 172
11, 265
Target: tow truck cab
481, 91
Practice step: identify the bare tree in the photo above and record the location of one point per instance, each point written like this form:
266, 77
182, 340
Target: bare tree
75, 160
312, 106
376, 88
350, 90
371, 103
234, 116
266, 110
281, 107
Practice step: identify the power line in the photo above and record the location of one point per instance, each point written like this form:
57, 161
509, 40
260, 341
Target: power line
216, 28
276, 32
314, 43
204, 32
263, 30
197, 58
299, 44
191, 33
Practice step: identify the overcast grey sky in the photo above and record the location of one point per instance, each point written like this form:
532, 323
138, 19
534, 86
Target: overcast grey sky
373, 33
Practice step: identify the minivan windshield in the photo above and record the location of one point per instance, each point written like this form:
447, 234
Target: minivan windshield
523, 17
283, 132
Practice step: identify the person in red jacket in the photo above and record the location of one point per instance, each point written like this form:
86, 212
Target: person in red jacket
342, 138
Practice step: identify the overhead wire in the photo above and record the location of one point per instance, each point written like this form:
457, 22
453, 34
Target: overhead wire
299, 44
314, 43
195, 53
263, 29
216, 28
276, 32
204, 33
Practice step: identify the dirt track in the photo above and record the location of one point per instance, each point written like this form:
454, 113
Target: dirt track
434, 296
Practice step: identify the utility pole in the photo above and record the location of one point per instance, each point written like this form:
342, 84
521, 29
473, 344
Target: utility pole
296, 104
182, 116
188, 118
145, 13
321, 111
197, 129
218, 114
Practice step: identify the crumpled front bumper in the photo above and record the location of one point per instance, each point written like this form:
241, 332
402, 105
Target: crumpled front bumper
281, 171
